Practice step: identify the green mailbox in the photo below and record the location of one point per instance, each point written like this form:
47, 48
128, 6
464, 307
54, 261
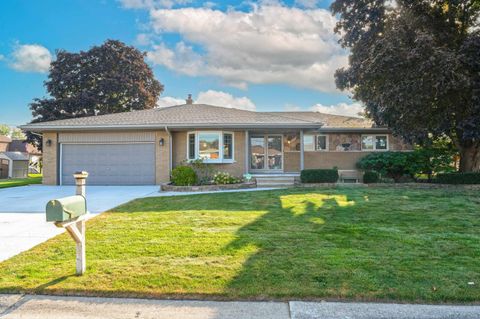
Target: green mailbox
67, 208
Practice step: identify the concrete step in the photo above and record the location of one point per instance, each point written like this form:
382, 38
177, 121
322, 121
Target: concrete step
272, 181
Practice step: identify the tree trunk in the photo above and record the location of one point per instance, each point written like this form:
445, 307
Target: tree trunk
470, 158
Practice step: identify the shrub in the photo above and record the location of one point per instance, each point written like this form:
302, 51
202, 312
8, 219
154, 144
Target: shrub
184, 176
225, 178
370, 177
319, 175
391, 164
203, 171
459, 178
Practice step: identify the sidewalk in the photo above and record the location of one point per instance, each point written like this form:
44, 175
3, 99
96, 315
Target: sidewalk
53, 307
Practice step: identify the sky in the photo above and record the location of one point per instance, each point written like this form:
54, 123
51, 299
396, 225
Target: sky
265, 55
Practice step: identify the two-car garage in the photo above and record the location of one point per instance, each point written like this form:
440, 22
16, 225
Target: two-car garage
109, 158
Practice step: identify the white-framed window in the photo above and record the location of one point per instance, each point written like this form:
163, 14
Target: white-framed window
315, 142
374, 142
211, 146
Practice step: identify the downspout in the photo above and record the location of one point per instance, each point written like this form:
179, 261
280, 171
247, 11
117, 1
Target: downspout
170, 160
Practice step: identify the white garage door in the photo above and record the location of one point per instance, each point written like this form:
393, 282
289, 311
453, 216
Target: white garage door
109, 164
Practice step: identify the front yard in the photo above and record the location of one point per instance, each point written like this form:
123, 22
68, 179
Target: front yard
344, 243
13, 182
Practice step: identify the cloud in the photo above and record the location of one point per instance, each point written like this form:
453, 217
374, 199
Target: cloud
142, 39
212, 97
169, 101
268, 44
340, 109
31, 58
224, 99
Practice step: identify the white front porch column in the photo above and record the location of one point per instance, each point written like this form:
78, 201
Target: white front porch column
247, 152
301, 151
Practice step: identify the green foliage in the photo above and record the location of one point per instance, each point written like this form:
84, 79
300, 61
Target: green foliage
458, 178
390, 164
225, 178
406, 165
17, 134
319, 175
203, 171
4, 130
110, 78
434, 160
416, 67
184, 176
370, 177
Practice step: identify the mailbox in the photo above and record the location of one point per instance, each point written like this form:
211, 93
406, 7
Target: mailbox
67, 208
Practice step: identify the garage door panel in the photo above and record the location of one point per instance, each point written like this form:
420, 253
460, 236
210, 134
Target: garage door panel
110, 164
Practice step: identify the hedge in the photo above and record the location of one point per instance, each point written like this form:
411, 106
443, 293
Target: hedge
319, 175
458, 178
184, 176
370, 177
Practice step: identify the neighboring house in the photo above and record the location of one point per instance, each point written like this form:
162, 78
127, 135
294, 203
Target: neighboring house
13, 165
142, 147
34, 155
4, 142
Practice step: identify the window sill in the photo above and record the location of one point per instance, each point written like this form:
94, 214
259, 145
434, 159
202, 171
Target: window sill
225, 161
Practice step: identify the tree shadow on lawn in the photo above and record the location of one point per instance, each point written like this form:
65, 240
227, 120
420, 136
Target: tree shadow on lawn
327, 245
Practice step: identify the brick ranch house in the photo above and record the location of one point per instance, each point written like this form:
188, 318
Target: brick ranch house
142, 147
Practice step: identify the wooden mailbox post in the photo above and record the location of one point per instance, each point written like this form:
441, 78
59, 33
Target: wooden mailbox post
70, 213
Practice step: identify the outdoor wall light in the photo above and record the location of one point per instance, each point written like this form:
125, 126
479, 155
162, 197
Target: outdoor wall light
161, 142
48, 143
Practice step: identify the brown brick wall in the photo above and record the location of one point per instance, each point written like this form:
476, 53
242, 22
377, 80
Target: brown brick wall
162, 158
291, 162
50, 155
237, 168
342, 160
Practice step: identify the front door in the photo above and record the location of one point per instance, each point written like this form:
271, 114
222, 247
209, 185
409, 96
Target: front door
266, 153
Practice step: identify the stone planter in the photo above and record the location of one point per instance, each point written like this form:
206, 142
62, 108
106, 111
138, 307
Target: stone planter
206, 188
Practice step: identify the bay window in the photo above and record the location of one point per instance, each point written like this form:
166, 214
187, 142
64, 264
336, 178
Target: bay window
210, 146
374, 142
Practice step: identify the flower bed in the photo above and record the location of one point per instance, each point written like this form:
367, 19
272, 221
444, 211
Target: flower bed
206, 188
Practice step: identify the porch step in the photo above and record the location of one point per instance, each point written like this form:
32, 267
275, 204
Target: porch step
275, 181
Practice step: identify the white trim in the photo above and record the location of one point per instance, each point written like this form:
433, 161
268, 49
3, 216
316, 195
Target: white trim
220, 159
315, 142
375, 143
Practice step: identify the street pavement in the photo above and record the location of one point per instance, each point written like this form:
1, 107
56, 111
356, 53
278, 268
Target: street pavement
62, 307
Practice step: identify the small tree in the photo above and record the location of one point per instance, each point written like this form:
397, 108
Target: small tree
110, 78
4, 130
17, 134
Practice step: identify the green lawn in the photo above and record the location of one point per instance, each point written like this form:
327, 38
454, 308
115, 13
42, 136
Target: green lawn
13, 182
344, 243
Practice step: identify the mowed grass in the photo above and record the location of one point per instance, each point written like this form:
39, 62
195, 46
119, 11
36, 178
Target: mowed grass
343, 243
13, 182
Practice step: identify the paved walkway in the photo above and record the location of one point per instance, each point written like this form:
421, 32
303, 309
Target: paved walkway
51, 307
22, 211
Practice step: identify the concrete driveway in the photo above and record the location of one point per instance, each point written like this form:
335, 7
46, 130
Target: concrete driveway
22, 211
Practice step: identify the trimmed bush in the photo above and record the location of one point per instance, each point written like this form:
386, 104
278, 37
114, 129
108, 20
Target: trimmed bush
221, 178
370, 177
319, 175
184, 176
458, 178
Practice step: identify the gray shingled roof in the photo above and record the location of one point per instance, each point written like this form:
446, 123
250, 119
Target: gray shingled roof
16, 156
199, 116
330, 120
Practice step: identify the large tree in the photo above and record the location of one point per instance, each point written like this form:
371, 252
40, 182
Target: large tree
416, 66
110, 78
